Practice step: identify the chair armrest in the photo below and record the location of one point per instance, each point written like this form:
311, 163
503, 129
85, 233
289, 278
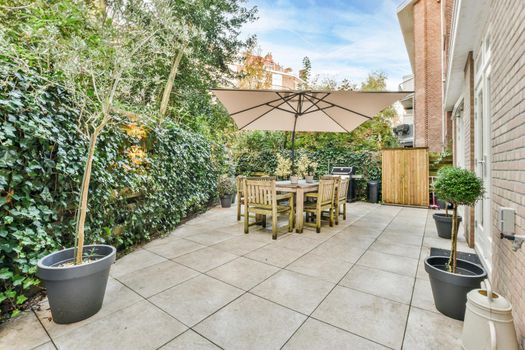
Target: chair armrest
312, 195
284, 196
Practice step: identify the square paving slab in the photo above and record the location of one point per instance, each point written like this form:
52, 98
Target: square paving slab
157, 278
316, 335
140, 326
371, 317
243, 273
196, 299
380, 283
251, 323
294, 290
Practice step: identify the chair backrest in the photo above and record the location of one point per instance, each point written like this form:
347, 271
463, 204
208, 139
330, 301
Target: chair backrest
326, 190
260, 191
342, 188
239, 182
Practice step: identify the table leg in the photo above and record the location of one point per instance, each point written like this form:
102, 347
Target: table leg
299, 222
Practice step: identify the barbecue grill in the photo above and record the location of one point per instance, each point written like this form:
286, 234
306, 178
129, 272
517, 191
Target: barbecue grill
347, 172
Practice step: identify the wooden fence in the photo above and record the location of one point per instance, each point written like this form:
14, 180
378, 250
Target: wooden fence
405, 176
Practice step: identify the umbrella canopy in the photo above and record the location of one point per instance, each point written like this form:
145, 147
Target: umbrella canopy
315, 111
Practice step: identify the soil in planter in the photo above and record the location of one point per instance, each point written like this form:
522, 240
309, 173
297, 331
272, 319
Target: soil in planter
86, 259
72, 262
473, 258
459, 270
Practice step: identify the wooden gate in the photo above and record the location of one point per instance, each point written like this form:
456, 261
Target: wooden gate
405, 176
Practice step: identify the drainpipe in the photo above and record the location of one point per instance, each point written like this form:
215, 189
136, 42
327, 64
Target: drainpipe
443, 79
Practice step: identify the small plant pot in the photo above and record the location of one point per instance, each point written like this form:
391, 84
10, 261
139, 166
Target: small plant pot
309, 178
76, 292
450, 289
294, 179
444, 224
226, 201
442, 204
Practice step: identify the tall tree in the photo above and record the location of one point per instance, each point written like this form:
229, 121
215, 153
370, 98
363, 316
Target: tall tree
253, 74
305, 72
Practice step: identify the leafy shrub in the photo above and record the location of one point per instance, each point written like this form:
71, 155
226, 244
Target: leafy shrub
458, 186
226, 186
41, 164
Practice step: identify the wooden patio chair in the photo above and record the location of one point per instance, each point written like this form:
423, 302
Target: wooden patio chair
341, 194
240, 194
324, 200
261, 198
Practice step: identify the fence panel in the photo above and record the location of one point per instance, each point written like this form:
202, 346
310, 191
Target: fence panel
405, 176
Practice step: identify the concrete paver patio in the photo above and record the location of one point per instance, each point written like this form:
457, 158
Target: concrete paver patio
359, 285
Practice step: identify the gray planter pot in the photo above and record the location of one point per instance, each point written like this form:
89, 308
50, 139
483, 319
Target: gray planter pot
76, 292
226, 201
450, 289
444, 224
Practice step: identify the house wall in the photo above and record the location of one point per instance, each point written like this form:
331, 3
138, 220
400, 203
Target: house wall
427, 75
507, 101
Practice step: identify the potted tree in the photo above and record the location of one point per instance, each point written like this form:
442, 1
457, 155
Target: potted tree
452, 278
226, 188
100, 76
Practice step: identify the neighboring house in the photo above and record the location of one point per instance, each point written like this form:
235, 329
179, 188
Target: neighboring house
420, 22
479, 75
262, 72
404, 128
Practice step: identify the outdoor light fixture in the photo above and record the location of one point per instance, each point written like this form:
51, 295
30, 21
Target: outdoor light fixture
507, 224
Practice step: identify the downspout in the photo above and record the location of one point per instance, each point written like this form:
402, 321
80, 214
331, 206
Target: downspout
443, 76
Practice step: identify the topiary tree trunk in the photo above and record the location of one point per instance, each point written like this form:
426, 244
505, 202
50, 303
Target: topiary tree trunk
454, 240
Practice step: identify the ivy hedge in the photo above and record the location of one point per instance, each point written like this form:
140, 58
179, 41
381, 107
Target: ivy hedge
42, 156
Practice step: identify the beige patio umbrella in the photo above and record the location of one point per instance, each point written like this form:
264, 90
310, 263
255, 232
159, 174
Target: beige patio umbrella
315, 111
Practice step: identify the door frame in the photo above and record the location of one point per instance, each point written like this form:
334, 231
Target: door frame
483, 155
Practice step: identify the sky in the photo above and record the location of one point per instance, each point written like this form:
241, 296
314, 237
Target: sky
342, 38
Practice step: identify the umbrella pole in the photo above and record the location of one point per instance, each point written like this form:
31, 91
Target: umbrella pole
293, 144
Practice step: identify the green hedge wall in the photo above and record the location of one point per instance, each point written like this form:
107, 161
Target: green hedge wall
366, 163
42, 155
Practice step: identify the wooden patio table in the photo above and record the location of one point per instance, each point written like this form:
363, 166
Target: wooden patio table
299, 189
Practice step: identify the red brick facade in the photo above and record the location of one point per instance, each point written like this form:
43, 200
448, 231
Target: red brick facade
427, 75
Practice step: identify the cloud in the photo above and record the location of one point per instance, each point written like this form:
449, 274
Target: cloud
344, 39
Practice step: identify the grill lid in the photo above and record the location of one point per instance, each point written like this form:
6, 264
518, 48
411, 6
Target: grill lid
342, 170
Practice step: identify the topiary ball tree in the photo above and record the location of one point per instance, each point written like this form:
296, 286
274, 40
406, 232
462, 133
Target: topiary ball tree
459, 187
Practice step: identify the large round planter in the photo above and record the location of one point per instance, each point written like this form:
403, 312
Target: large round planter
226, 201
76, 292
450, 289
444, 224
233, 198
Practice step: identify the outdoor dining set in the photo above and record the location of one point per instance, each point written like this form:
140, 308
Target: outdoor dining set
265, 196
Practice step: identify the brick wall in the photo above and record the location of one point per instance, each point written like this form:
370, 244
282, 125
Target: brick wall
507, 100
427, 74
